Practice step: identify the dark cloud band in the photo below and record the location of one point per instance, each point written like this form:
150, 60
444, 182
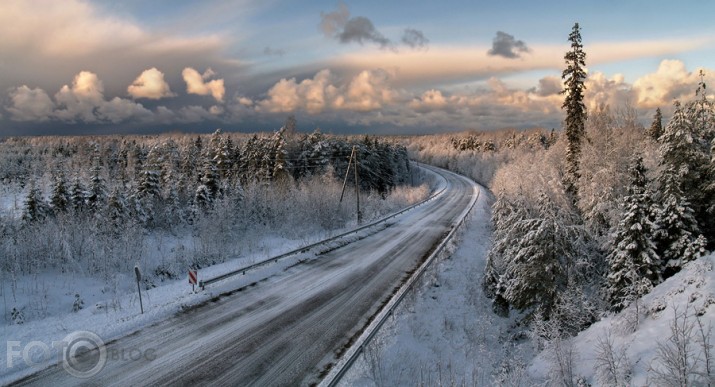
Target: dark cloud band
506, 46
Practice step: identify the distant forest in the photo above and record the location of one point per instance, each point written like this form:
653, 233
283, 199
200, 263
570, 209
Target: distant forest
96, 204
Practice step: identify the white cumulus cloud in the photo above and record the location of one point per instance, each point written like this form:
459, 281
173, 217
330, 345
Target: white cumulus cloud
30, 104
368, 90
669, 82
196, 83
150, 84
82, 101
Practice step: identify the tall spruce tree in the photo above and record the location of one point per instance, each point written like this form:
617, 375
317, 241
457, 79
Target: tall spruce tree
78, 195
574, 76
507, 214
116, 209
702, 115
656, 127
684, 163
633, 256
97, 195
60, 199
539, 263
35, 206
678, 238
280, 173
149, 185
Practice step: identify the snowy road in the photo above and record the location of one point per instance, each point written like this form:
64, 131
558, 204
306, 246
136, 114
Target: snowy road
288, 329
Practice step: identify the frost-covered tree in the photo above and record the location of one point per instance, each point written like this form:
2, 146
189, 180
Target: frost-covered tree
574, 76
678, 238
60, 199
683, 156
633, 256
35, 208
189, 161
210, 185
280, 173
702, 115
538, 265
149, 185
116, 208
505, 215
604, 172
78, 195
97, 195
290, 126
710, 187
203, 197
656, 127
250, 160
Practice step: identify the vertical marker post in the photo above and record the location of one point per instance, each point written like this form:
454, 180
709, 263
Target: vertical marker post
139, 278
193, 279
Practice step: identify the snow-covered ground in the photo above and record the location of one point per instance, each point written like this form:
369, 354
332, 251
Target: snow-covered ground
445, 332
111, 307
639, 337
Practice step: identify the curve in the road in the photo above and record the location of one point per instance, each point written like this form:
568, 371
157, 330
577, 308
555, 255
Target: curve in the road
290, 328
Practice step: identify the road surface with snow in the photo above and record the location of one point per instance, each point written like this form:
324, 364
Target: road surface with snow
285, 330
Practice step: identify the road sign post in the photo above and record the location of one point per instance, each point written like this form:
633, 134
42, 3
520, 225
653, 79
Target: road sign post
193, 276
139, 288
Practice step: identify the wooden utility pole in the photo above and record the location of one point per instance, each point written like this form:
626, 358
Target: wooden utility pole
347, 173
357, 187
353, 161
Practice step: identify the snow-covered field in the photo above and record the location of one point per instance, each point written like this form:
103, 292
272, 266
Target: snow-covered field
110, 310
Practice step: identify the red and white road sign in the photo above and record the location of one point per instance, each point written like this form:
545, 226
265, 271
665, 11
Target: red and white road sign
192, 277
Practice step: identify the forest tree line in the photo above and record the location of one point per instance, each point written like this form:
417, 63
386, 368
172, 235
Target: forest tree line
89, 201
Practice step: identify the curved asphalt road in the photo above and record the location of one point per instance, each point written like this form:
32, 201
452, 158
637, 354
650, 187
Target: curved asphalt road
289, 329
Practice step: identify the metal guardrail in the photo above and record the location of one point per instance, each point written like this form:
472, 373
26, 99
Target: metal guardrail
243, 270
334, 377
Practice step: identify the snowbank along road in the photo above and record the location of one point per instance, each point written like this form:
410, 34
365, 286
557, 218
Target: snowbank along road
288, 329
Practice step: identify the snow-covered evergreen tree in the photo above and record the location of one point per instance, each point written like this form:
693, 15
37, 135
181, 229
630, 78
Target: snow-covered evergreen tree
116, 208
203, 197
173, 208
97, 195
149, 186
280, 173
656, 127
250, 161
542, 259
60, 199
683, 157
574, 77
78, 195
505, 215
677, 229
710, 190
633, 255
35, 208
189, 161
290, 127
210, 185
702, 114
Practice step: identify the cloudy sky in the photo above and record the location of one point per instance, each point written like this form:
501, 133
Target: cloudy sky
367, 66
